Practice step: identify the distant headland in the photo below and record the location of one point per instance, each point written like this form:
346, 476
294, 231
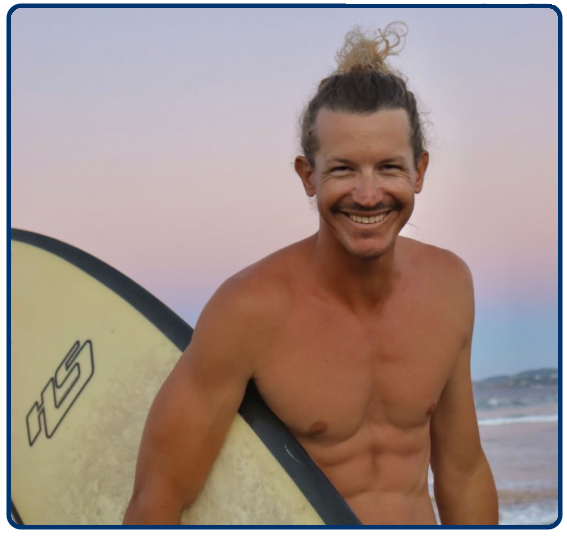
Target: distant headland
526, 388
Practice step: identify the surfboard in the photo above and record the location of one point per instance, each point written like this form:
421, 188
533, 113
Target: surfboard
89, 350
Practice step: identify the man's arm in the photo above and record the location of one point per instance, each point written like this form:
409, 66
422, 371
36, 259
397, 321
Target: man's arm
193, 410
464, 487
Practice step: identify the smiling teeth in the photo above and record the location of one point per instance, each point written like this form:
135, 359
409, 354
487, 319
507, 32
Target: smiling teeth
374, 219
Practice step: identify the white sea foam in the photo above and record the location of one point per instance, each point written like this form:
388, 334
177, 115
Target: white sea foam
544, 513
518, 419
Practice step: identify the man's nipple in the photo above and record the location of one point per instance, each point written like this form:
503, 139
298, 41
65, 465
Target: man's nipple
318, 427
431, 409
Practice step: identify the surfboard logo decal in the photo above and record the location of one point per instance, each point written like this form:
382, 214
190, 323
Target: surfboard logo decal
61, 391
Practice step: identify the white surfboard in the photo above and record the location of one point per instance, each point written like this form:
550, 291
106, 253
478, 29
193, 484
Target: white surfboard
89, 350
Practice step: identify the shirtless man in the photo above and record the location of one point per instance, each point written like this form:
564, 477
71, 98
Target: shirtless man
358, 340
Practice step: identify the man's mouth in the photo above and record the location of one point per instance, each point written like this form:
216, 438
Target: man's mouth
367, 220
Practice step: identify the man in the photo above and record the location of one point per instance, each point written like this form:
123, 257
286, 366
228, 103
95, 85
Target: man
358, 340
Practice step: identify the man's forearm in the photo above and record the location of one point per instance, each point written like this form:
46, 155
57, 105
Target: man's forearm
468, 499
156, 512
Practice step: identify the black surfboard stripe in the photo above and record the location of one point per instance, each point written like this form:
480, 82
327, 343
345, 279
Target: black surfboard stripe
15, 515
314, 485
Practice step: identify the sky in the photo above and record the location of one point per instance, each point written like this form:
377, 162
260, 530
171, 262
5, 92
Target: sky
162, 142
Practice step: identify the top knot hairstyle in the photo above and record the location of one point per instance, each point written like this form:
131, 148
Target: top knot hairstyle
364, 83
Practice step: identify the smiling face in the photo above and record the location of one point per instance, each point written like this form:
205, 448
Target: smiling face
364, 177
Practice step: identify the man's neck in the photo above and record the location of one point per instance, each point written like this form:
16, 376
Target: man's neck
361, 283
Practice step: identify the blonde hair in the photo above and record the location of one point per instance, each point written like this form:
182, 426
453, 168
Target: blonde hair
361, 53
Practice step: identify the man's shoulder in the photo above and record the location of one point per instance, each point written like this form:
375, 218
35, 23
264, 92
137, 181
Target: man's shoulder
446, 276
445, 280
260, 293
245, 314
260, 288
439, 263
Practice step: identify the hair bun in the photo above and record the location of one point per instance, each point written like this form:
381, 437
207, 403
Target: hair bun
361, 53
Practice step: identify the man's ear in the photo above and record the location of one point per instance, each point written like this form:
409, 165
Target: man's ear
422, 164
305, 171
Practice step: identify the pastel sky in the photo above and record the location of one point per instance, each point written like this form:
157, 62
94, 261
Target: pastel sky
162, 140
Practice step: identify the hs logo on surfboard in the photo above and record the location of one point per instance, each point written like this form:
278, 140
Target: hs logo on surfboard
61, 391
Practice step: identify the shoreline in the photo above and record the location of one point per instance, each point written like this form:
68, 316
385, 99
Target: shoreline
547, 408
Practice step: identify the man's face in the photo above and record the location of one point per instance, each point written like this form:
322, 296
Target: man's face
365, 178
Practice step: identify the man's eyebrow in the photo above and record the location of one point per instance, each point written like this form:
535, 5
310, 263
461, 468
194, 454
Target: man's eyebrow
340, 160
395, 159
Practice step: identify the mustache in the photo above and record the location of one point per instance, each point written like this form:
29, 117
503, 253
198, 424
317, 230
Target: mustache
355, 207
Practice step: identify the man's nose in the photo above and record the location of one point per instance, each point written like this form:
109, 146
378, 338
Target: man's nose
368, 190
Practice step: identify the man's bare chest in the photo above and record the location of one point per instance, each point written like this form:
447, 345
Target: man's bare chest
327, 375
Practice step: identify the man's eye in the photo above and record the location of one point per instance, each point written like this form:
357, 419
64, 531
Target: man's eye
340, 169
391, 166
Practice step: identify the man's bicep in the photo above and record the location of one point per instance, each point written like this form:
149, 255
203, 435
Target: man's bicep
193, 410
463, 482
454, 428
455, 439
221, 355
184, 432
186, 426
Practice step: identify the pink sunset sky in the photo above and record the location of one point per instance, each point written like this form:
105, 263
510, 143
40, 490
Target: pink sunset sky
162, 140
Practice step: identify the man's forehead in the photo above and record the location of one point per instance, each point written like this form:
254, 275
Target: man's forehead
386, 157
392, 118
340, 132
